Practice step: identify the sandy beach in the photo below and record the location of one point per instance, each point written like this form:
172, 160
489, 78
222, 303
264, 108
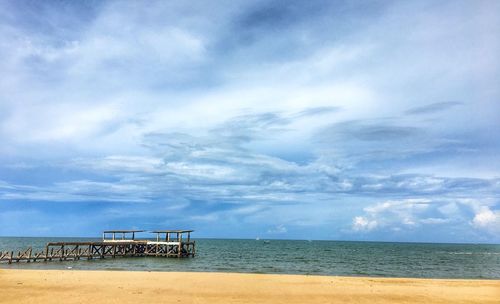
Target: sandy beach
50, 286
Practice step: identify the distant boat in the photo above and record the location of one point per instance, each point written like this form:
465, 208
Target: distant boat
267, 242
257, 239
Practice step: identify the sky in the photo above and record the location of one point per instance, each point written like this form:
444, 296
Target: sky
336, 120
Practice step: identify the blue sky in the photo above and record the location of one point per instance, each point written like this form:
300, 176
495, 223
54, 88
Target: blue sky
345, 120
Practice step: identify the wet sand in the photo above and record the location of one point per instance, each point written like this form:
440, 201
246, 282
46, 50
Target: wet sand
68, 286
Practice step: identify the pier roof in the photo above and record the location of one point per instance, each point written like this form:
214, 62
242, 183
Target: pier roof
171, 231
122, 231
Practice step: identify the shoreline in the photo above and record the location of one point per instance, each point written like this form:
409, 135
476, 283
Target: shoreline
347, 276
97, 286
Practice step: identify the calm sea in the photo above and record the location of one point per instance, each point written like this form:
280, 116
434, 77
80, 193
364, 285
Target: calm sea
298, 257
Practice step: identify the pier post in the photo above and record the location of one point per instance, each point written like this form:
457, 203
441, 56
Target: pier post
62, 253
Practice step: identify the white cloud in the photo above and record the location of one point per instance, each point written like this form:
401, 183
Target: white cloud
484, 218
279, 229
433, 220
212, 217
411, 214
122, 164
487, 219
61, 122
360, 223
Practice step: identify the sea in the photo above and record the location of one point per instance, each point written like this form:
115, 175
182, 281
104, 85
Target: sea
340, 258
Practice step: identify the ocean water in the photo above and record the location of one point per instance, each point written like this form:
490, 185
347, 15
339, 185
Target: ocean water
418, 260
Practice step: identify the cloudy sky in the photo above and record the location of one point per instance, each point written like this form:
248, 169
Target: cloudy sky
343, 120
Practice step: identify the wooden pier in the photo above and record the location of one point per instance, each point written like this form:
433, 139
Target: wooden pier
168, 243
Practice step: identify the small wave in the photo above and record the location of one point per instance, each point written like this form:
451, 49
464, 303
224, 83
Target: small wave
476, 253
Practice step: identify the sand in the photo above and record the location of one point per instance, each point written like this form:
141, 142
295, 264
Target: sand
73, 286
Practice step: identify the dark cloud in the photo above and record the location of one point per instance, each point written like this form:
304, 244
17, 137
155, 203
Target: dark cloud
246, 128
261, 120
382, 132
432, 108
55, 20
270, 15
421, 185
317, 111
229, 135
369, 131
275, 31
284, 14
